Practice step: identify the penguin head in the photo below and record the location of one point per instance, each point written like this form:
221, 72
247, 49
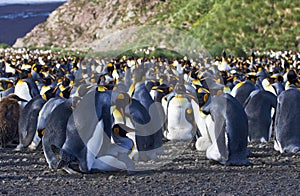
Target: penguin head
292, 77
180, 88
139, 75
202, 96
65, 82
122, 100
16, 97
214, 87
49, 94
66, 93
276, 77
110, 67
47, 81
23, 74
251, 76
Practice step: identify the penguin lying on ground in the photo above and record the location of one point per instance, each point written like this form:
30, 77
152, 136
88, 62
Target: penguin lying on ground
230, 132
88, 136
55, 131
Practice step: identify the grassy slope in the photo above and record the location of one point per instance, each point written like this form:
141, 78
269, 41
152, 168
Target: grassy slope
235, 25
239, 25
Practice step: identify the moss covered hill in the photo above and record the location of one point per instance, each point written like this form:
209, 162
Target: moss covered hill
238, 25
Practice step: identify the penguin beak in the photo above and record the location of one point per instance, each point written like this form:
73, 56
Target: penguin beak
54, 90
18, 98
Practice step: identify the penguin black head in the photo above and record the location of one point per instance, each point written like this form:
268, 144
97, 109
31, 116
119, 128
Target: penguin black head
180, 88
16, 97
292, 77
49, 94
47, 81
66, 93
122, 100
23, 74
65, 82
202, 96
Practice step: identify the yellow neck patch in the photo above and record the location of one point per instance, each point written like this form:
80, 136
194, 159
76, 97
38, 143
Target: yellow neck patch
101, 88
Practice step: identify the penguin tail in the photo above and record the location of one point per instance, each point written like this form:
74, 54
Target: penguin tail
64, 158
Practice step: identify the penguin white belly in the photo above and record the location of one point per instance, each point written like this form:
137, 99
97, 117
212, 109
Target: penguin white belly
204, 141
234, 90
218, 150
108, 163
22, 91
152, 93
178, 126
94, 144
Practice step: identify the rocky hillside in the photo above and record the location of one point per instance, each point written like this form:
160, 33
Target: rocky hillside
105, 25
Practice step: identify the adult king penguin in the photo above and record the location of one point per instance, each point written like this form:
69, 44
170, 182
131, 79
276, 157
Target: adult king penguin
229, 136
180, 118
258, 109
286, 122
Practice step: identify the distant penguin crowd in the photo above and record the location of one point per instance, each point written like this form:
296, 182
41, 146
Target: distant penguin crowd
104, 114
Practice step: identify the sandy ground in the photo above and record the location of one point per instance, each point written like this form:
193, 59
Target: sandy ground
185, 173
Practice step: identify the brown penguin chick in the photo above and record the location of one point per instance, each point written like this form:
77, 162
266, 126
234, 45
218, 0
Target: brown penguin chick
9, 117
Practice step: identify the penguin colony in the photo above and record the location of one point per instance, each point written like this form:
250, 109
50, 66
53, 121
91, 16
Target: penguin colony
98, 114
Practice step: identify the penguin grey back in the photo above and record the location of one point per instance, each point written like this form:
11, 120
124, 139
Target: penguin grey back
287, 123
28, 121
258, 109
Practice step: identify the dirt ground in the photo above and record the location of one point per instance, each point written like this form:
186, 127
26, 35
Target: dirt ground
185, 173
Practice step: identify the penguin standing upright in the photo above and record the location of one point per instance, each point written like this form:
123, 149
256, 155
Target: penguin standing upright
43, 116
180, 118
29, 117
25, 87
9, 115
287, 135
148, 135
258, 109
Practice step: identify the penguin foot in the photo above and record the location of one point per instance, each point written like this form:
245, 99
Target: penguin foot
70, 170
19, 148
60, 164
244, 162
131, 172
32, 147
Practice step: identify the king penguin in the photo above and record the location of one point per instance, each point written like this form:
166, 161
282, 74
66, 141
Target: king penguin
230, 132
258, 109
29, 117
286, 121
148, 135
25, 87
88, 135
180, 117
55, 131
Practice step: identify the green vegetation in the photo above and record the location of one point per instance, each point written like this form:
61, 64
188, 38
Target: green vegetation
236, 25
185, 26
3, 45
